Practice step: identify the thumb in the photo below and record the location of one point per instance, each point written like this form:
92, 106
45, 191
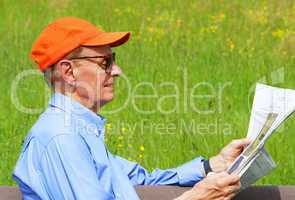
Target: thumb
241, 142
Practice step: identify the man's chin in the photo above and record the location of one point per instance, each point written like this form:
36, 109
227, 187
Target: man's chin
107, 99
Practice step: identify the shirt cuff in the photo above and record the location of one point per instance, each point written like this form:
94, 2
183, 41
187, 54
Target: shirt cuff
191, 172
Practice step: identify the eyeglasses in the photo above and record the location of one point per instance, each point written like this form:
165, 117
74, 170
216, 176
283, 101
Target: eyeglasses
107, 66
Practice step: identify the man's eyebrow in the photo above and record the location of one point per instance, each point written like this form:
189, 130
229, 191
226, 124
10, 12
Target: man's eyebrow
92, 56
105, 55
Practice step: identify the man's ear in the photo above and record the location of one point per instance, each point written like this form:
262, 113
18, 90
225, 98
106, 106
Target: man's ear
66, 71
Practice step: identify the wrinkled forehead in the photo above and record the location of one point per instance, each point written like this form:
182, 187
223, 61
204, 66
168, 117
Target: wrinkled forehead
96, 50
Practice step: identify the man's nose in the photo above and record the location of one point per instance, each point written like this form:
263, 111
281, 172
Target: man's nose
116, 70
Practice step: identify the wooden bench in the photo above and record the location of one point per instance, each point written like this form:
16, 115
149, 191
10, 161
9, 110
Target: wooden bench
170, 192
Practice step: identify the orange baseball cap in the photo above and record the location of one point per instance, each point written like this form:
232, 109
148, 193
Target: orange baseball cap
66, 34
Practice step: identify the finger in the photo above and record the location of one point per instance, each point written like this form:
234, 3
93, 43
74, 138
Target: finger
231, 190
219, 175
226, 191
231, 179
240, 143
231, 196
238, 184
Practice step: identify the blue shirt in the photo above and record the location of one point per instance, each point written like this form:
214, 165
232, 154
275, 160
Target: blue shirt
64, 157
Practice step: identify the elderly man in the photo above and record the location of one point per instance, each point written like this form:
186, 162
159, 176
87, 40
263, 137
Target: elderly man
64, 155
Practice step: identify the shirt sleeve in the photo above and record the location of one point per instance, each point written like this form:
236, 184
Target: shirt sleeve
69, 172
187, 174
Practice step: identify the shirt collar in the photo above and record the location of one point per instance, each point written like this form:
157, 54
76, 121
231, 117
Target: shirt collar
71, 106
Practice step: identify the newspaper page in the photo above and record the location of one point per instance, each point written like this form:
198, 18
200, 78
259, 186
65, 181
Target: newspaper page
268, 99
271, 106
259, 166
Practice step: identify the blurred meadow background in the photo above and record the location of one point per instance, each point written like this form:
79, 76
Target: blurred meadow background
190, 68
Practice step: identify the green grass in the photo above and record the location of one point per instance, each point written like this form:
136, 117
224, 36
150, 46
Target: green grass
182, 42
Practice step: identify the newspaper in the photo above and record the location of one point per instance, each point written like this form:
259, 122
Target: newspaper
271, 106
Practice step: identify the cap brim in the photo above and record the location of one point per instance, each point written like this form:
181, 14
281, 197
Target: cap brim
112, 39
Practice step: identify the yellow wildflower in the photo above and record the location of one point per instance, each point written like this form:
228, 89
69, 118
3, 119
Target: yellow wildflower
108, 126
222, 16
218, 18
151, 29
278, 33
230, 44
213, 28
141, 148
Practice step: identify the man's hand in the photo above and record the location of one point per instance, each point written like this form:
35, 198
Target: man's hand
228, 154
215, 187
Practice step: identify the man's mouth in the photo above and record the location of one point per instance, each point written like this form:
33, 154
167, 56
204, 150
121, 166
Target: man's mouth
109, 85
